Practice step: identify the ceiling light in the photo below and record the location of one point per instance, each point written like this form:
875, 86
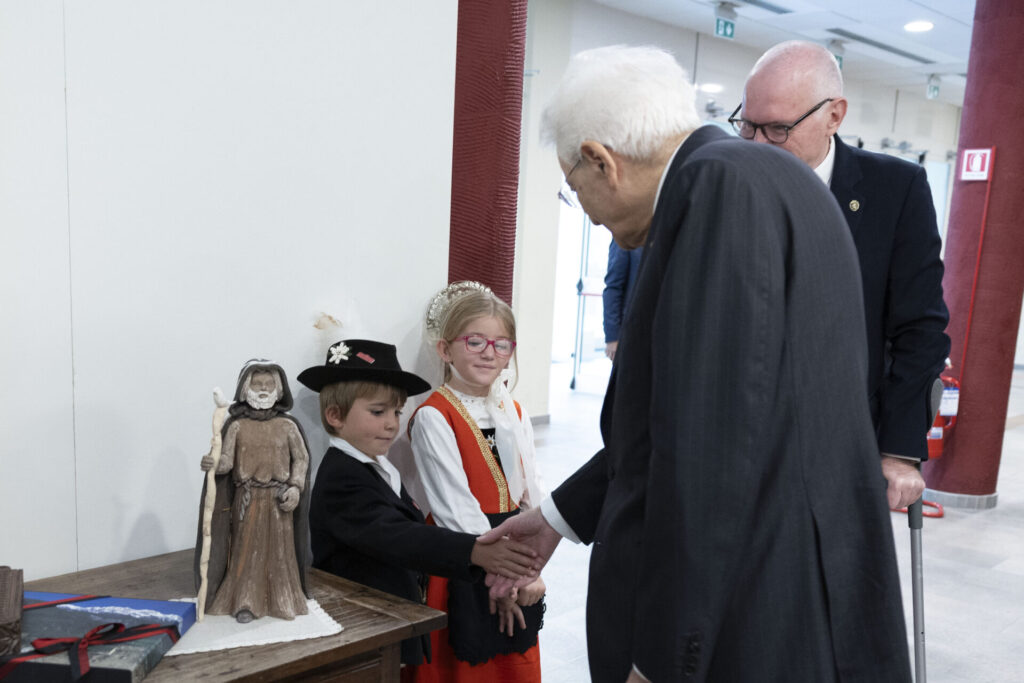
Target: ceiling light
919, 26
836, 47
710, 88
726, 10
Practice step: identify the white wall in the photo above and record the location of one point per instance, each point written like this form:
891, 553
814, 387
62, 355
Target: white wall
547, 54
229, 173
37, 453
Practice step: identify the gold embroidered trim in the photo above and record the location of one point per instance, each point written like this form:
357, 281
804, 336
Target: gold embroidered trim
504, 499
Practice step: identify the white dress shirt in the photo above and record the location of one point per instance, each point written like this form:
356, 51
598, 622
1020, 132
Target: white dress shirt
824, 169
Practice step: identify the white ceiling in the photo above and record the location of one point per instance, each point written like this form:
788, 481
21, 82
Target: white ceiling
871, 31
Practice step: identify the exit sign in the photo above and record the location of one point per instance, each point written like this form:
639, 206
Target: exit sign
725, 28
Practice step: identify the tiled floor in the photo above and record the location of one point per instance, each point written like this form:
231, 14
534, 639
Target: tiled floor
973, 561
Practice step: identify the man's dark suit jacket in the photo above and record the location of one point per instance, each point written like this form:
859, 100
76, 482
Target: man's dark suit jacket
362, 531
737, 511
888, 206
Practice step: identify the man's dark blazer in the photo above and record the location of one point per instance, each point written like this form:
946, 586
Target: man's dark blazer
361, 530
888, 206
737, 511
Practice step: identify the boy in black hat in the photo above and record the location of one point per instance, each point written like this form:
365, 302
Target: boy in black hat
363, 524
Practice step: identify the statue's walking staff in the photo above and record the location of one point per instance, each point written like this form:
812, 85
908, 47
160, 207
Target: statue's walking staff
211, 494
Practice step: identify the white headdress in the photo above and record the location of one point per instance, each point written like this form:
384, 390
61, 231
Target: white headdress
443, 300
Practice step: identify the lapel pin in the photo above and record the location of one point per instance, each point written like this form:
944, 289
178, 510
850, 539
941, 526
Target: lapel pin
854, 205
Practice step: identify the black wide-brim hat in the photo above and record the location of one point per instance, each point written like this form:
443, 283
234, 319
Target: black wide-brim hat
362, 360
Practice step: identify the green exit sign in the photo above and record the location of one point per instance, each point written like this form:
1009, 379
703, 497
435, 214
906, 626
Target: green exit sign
725, 28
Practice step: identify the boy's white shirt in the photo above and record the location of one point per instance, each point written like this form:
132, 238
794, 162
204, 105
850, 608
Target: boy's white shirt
439, 463
380, 463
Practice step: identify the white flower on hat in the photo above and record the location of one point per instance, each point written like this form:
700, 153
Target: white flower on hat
339, 352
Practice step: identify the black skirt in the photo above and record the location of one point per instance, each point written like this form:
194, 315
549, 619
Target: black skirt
473, 630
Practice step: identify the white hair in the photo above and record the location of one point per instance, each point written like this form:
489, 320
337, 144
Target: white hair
630, 99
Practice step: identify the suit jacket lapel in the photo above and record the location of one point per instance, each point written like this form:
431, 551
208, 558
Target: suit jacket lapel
406, 501
410, 503
697, 139
846, 174
404, 498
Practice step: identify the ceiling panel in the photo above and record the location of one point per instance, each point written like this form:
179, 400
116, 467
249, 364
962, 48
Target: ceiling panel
877, 49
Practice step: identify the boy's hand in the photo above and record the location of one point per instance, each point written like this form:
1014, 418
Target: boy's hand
206, 464
508, 614
505, 558
289, 500
531, 593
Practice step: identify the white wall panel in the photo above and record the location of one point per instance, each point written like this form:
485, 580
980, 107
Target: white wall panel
37, 466
236, 169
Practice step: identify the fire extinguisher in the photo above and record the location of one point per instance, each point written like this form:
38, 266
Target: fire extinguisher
945, 420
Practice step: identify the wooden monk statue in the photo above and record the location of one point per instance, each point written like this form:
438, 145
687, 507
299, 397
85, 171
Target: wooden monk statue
11, 596
259, 530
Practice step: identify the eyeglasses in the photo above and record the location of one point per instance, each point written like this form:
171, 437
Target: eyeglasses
476, 343
567, 197
775, 133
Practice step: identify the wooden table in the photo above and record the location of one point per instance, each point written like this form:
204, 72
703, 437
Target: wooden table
366, 650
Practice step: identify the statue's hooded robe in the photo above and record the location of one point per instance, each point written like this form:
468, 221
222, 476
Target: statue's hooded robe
220, 527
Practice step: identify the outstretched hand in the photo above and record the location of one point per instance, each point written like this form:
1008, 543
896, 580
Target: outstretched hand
531, 529
505, 557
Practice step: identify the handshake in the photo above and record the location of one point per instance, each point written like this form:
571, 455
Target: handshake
513, 554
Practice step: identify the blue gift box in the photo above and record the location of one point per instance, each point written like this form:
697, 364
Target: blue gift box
124, 662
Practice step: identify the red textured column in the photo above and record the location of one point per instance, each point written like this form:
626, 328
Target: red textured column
485, 156
970, 464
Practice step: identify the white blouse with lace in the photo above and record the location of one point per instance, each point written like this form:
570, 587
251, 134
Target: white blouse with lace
439, 463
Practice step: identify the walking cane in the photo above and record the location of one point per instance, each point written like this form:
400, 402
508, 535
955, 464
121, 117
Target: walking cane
211, 494
915, 519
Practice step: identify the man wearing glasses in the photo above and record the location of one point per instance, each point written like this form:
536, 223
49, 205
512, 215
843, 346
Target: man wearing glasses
793, 99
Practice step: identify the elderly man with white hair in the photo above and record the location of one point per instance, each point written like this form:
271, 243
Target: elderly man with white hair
737, 512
